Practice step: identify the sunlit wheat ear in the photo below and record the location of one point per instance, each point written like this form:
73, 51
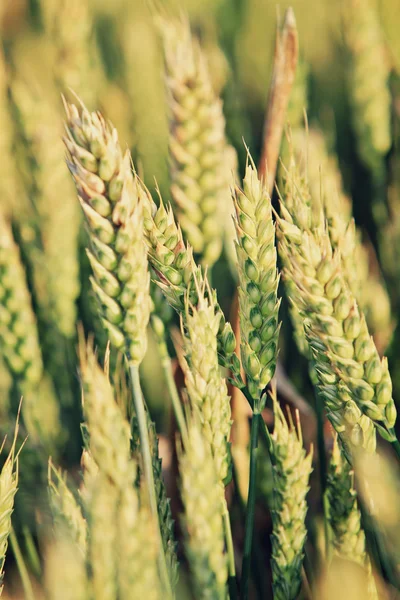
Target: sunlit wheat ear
203, 523
67, 513
111, 497
9, 183
258, 281
206, 388
110, 199
18, 328
8, 489
108, 430
65, 574
369, 96
321, 170
291, 467
353, 381
69, 24
199, 171
348, 539
172, 260
48, 215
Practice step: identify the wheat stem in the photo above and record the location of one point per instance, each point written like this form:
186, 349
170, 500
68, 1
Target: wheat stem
249, 527
396, 444
231, 554
171, 386
148, 467
23, 571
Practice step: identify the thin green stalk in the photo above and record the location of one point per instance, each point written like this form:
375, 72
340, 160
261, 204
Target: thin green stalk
32, 551
231, 554
171, 385
23, 571
148, 467
396, 444
249, 527
322, 467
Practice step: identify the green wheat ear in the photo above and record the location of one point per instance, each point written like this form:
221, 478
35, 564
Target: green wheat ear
369, 96
173, 263
348, 539
258, 281
322, 173
67, 513
8, 489
123, 540
110, 199
199, 172
353, 381
291, 468
203, 522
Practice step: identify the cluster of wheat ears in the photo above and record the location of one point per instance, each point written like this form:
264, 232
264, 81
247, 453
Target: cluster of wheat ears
116, 257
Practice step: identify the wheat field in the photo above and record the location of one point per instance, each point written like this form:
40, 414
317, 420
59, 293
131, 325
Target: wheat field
199, 299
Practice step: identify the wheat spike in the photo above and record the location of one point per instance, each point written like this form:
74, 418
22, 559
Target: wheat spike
345, 517
66, 511
10, 189
175, 267
367, 285
138, 548
65, 571
199, 173
110, 200
369, 96
55, 214
19, 335
354, 382
291, 472
121, 534
258, 281
69, 26
206, 388
8, 489
204, 532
